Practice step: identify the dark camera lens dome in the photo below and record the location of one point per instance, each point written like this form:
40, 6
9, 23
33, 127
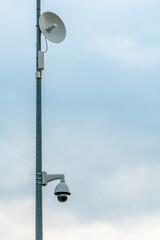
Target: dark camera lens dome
62, 197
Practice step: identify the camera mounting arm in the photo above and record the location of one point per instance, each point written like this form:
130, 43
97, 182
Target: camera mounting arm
46, 178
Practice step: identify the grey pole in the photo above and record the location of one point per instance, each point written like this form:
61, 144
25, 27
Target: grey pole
39, 226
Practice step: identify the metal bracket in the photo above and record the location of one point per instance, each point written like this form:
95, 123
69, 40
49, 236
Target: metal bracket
39, 178
46, 178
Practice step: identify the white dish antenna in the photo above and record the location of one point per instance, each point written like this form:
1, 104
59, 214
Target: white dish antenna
52, 27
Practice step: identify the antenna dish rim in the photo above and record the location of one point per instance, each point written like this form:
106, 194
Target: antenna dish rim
49, 19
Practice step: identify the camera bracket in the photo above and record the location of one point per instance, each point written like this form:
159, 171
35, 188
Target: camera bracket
46, 178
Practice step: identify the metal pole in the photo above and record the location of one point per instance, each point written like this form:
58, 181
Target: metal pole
39, 226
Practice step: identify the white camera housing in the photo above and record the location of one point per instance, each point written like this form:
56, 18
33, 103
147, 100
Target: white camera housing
62, 190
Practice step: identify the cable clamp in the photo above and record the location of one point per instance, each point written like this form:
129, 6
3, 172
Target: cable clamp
38, 75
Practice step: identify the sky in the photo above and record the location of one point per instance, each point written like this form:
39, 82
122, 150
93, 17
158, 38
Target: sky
101, 95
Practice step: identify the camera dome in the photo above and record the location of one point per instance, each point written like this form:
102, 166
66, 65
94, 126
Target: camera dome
62, 197
62, 188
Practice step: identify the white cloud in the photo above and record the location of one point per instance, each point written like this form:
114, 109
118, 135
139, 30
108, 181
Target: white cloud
17, 159
17, 222
142, 228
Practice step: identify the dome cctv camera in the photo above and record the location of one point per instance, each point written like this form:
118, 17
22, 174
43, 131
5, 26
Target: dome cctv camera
62, 192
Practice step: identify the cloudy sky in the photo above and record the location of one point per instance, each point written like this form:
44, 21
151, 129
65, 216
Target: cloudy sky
101, 96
